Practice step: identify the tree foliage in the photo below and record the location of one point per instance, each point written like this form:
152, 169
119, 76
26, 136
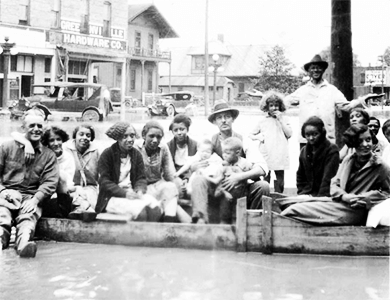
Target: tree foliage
275, 70
387, 56
325, 55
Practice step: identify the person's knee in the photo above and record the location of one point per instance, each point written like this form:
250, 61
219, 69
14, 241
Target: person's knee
261, 186
5, 216
168, 192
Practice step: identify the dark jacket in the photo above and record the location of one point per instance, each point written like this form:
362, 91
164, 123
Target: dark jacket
316, 171
109, 170
192, 149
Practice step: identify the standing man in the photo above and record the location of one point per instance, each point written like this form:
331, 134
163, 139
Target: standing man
320, 98
202, 190
24, 185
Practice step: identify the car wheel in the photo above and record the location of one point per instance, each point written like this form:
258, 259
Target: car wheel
170, 111
128, 104
91, 115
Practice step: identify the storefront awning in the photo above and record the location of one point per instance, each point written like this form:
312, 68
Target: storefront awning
96, 55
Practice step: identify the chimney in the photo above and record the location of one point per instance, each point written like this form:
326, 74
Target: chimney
220, 38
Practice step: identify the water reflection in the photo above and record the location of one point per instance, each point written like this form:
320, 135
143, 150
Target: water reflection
83, 271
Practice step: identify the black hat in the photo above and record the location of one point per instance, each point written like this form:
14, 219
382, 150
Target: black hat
316, 60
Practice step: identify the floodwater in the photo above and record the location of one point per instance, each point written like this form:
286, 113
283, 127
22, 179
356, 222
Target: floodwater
86, 271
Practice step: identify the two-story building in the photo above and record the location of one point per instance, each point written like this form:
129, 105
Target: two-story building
61, 40
237, 65
146, 26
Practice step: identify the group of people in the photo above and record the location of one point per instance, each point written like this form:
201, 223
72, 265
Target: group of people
43, 172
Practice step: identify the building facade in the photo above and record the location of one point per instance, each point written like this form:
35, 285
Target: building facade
237, 65
146, 26
79, 40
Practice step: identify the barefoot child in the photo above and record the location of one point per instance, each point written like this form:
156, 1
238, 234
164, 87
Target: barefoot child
272, 131
213, 171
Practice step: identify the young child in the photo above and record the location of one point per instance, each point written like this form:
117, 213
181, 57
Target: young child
272, 131
213, 172
233, 164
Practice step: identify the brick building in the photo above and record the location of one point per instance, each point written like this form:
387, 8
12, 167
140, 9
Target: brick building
61, 39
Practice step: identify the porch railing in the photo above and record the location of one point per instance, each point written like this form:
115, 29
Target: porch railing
142, 52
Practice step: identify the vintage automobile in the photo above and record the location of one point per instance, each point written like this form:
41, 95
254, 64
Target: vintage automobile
67, 99
115, 94
171, 104
250, 95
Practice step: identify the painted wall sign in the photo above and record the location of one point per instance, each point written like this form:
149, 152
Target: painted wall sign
92, 41
93, 29
374, 77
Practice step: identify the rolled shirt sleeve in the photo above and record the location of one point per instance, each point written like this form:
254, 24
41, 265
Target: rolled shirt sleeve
253, 155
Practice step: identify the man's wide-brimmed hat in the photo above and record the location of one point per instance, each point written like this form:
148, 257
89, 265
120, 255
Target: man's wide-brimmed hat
222, 107
316, 60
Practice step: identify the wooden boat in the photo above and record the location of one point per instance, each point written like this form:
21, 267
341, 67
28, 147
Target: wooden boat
255, 230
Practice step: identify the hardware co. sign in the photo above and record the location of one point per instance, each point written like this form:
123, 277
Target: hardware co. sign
95, 37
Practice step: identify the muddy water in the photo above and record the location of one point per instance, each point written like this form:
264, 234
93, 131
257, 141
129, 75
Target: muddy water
85, 271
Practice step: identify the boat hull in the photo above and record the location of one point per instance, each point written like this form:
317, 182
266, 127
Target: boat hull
255, 230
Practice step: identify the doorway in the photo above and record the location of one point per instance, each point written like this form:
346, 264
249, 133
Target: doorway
26, 86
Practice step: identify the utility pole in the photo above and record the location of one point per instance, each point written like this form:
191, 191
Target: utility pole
342, 58
206, 62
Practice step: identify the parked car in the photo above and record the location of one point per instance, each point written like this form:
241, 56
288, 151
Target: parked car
115, 94
171, 104
68, 97
250, 95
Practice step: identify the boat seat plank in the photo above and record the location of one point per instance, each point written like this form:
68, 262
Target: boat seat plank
146, 234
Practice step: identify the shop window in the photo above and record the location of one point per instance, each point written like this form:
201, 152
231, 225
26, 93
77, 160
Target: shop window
47, 65
132, 79
24, 12
77, 67
24, 64
150, 80
56, 14
107, 19
241, 87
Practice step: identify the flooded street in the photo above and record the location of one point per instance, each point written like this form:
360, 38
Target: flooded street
86, 271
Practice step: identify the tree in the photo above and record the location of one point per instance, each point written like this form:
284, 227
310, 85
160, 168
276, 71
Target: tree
386, 56
275, 72
325, 55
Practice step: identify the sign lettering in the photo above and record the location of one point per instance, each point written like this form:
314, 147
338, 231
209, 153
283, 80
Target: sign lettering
96, 30
98, 42
375, 77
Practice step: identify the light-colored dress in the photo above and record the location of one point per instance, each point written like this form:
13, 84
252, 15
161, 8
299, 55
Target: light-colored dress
274, 148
